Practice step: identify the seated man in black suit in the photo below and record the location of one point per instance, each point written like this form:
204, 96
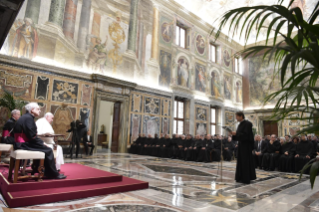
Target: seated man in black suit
260, 148
271, 155
88, 143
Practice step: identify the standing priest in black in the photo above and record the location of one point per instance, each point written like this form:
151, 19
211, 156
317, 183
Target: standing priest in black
245, 168
25, 131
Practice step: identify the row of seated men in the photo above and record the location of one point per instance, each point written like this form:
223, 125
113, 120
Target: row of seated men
285, 153
185, 147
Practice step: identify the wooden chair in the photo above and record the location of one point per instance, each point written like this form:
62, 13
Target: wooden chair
17, 156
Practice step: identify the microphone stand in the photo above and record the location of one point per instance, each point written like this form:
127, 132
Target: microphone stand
220, 167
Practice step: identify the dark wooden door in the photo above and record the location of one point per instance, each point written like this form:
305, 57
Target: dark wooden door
270, 127
116, 127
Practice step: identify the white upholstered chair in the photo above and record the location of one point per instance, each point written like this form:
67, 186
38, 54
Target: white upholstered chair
17, 156
5, 148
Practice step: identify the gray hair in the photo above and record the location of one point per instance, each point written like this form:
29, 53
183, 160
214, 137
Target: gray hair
283, 138
48, 114
15, 111
29, 107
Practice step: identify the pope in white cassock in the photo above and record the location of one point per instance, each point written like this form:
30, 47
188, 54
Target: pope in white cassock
44, 126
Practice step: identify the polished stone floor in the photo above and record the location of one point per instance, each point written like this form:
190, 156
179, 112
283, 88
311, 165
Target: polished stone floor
176, 185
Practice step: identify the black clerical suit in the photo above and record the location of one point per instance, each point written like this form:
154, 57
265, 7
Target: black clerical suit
245, 168
216, 151
228, 153
139, 145
154, 148
8, 133
27, 129
134, 146
147, 146
285, 163
271, 156
170, 147
187, 144
189, 150
303, 148
86, 140
192, 153
204, 151
260, 146
164, 143
179, 151
236, 148
174, 147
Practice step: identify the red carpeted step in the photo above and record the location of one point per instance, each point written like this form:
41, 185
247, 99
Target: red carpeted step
48, 195
77, 175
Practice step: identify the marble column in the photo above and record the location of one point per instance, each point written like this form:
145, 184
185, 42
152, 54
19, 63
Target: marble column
69, 18
57, 12
84, 24
155, 34
132, 33
96, 26
33, 10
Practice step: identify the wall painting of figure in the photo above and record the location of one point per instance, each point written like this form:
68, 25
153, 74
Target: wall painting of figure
183, 72
165, 67
200, 83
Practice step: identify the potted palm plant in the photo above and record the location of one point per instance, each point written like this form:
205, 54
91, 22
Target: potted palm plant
295, 56
10, 102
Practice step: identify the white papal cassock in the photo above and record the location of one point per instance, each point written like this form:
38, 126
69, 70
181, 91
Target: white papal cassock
45, 127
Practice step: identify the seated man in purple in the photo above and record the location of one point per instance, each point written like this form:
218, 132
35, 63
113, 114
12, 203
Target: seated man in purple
25, 132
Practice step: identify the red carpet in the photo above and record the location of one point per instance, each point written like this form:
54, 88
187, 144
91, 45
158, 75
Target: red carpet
82, 181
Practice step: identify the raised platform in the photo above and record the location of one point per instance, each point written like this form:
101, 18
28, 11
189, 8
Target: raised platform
82, 181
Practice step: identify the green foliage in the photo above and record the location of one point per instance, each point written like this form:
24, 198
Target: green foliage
8, 101
295, 56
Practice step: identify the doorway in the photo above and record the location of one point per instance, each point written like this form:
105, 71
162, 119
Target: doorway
270, 127
109, 124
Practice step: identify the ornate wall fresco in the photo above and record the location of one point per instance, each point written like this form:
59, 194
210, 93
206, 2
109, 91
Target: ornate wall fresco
16, 83
42, 88
150, 114
202, 119
210, 10
85, 116
152, 105
238, 90
183, 74
216, 84
93, 37
151, 125
167, 28
64, 91
227, 59
94, 45
228, 82
200, 44
230, 119
285, 127
135, 126
201, 76
165, 67
262, 80
87, 91
39, 87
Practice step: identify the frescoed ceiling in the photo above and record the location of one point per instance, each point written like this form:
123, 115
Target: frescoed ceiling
211, 10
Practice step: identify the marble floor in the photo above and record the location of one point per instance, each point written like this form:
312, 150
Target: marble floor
176, 185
